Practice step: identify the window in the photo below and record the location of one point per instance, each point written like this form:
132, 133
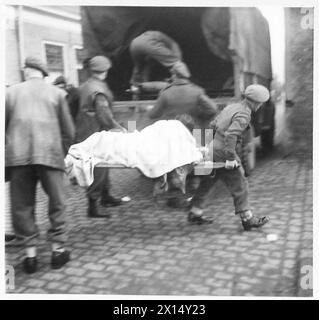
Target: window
54, 56
79, 58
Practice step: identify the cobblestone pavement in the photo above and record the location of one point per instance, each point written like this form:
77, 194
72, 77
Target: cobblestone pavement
146, 248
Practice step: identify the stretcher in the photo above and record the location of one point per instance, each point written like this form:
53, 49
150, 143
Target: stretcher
200, 169
175, 159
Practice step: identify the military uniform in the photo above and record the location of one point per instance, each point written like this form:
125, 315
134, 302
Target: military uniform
228, 126
95, 114
180, 98
183, 97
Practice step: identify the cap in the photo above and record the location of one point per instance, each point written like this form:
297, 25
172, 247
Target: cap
35, 63
181, 70
257, 93
99, 64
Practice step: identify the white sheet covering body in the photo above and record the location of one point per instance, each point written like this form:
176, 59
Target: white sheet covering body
156, 150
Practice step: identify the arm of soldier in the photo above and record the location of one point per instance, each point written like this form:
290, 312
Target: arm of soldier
239, 123
66, 124
104, 113
159, 107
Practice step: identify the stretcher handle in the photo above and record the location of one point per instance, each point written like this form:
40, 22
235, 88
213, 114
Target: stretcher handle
211, 165
207, 164
218, 165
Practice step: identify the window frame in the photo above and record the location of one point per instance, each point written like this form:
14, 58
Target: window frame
64, 55
77, 65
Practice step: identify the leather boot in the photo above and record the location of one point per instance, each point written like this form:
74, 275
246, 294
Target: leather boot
59, 259
109, 201
192, 218
254, 222
30, 265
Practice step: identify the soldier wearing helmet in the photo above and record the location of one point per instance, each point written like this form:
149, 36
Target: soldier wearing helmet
228, 127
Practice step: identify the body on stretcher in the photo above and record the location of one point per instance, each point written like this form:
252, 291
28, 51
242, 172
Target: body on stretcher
165, 147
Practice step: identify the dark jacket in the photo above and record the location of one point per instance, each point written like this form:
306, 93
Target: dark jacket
95, 112
229, 126
73, 100
183, 97
38, 125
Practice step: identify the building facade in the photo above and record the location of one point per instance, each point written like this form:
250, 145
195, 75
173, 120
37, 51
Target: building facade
51, 33
299, 77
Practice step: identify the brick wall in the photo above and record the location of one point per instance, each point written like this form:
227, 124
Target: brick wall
299, 78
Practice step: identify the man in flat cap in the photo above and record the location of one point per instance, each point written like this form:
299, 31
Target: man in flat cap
95, 114
152, 46
228, 126
38, 133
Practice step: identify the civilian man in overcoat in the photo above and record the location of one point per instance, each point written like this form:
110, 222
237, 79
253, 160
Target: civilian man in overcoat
38, 133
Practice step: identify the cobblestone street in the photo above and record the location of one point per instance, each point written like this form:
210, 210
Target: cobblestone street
146, 248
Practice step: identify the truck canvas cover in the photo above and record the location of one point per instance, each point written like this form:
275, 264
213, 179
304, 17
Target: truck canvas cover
210, 38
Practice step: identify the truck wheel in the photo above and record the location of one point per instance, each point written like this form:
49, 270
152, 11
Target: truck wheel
248, 152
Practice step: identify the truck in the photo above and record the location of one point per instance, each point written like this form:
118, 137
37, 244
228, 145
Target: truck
225, 48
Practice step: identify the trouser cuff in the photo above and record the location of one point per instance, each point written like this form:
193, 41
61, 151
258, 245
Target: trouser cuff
246, 215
